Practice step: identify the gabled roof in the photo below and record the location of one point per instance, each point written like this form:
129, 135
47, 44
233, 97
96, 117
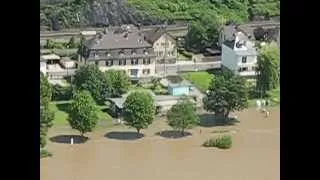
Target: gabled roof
117, 41
154, 34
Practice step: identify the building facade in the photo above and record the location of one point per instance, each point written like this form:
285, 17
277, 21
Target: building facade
239, 55
122, 50
164, 45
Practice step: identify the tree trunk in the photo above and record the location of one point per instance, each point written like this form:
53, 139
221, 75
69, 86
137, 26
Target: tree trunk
182, 132
138, 131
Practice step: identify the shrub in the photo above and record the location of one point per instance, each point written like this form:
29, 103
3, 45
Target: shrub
44, 153
61, 93
224, 142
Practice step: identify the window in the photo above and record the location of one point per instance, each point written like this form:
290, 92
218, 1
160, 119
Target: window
133, 72
243, 69
97, 63
146, 71
157, 44
162, 44
133, 52
244, 59
108, 54
146, 61
134, 61
109, 63
253, 68
122, 62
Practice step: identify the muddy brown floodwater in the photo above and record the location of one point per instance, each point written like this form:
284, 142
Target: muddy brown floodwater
255, 154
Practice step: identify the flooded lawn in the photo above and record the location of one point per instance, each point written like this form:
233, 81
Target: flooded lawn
120, 154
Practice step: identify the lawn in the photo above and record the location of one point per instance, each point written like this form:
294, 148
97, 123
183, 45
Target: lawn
274, 98
201, 79
61, 114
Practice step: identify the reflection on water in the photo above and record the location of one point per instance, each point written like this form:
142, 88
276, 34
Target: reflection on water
254, 156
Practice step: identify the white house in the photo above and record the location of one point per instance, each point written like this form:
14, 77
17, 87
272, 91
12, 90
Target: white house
239, 55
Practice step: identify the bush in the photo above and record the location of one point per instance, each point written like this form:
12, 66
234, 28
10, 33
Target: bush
224, 142
185, 53
61, 93
44, 153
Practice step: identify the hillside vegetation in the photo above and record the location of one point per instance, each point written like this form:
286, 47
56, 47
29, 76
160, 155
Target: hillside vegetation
205, 16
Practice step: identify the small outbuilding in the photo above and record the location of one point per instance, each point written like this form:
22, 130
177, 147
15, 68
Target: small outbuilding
179, 89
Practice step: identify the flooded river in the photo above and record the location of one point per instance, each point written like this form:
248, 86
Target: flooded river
255, 154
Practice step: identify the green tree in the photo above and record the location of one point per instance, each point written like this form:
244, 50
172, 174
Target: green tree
90, 78
139, 110
46, 121
72, 43
268, 68
49, 44
182, 115
83, 113
118, 82
81, 44
226, 94
46, 115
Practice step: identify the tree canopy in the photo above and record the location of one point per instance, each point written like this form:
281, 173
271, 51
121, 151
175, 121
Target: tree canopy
268, 68
226, 94
118, 82
182, 115
83, 113
90, 78
46, 115
139, 110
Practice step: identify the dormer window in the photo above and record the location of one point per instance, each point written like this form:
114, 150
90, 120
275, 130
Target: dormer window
121, 53
145, 52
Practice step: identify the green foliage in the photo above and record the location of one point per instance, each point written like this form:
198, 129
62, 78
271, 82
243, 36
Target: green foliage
185, 53
139, 110
83, 112
46, 115
206, 16
266, 8
268, 68
182, 115
90, 78
226, 94
201, 80
45, 90
118, 82
61, 93
44, 153
72, 43
50, 44
224, 142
